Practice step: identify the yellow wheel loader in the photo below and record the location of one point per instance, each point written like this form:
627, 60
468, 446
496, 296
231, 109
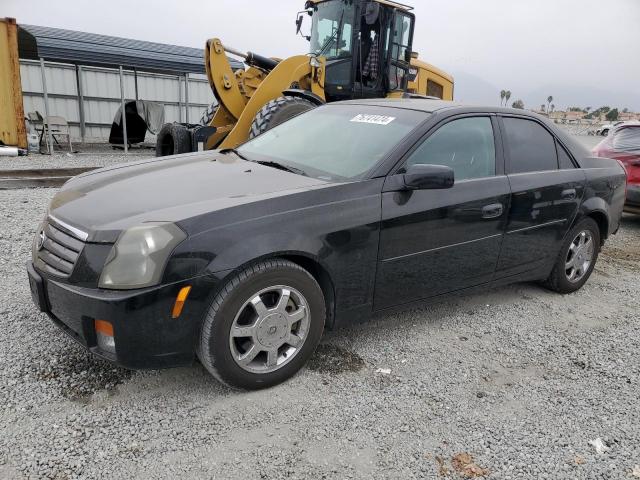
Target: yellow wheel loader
359, 49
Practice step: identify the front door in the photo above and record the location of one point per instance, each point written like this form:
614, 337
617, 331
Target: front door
437, 241
546, 192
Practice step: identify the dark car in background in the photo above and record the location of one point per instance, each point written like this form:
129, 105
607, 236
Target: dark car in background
243, 257
623, 144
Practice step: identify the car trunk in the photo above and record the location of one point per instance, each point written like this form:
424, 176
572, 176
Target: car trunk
624, 145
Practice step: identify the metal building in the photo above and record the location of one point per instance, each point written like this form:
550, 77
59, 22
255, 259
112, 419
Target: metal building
86, 77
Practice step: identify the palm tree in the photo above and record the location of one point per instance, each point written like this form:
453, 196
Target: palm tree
503, 93
507, 96
542, 108
553, 107
549, 100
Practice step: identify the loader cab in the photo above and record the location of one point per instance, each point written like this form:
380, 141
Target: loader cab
367, 45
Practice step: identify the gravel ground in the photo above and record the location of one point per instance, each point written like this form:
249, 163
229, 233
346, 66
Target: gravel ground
88, 156
512, 383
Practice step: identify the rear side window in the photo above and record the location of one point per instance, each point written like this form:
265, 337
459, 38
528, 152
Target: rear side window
531, 147
627, 139
564, 160
466, 145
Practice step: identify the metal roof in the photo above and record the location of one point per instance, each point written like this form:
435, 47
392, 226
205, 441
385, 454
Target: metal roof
81, 48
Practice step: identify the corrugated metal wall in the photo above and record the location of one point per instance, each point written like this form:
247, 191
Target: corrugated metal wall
101, 93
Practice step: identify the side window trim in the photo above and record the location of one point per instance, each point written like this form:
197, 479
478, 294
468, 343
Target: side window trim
559, 145
499, 152
507, 152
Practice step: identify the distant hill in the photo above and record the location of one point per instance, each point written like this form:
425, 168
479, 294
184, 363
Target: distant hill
472, 89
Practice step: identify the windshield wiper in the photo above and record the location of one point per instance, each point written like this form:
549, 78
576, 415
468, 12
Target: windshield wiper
235, 151
280, 166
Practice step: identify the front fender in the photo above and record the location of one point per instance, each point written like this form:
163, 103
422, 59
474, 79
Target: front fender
267, 245
307, 95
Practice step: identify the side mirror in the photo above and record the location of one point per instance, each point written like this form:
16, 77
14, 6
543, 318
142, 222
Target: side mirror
428, 177
299, 21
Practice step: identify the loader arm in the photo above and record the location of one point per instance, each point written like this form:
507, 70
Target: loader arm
242, 94
292, 71
222, 79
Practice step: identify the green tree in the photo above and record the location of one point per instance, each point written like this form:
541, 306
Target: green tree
507, 96
503, 93
518, 104
625, 110
612, 115
549, 100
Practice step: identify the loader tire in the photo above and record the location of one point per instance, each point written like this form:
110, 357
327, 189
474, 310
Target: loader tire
278, 111
208, 114
173, 139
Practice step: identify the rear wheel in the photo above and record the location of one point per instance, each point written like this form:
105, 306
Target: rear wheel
263, 325
173, 139
577, 258
278, 111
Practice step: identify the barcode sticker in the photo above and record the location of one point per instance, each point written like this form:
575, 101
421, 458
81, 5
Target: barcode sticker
375, 119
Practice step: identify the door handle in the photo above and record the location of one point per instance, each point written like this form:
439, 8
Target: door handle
569, 194
492, 211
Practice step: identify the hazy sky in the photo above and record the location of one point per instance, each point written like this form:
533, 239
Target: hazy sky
527, 46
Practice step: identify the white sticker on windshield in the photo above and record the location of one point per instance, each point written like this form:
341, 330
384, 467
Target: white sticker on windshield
375, 119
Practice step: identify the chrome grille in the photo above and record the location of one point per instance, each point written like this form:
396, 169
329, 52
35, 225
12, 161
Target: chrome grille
57, 249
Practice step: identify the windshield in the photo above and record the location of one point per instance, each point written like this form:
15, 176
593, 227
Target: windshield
332, 29
334, 142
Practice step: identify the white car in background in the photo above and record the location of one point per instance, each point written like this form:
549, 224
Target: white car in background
605, 129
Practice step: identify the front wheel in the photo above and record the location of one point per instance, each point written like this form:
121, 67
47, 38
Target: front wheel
577, 258
278, 111
263, 325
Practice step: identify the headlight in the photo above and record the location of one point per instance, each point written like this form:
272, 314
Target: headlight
138, 258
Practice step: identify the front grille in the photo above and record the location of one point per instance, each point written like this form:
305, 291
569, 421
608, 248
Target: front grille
58, 250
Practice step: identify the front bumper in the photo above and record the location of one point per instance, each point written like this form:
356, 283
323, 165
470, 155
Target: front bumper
632, 204
146, 336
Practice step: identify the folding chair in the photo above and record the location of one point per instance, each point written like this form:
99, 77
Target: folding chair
59, 127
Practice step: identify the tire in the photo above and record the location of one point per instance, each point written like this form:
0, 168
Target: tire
278, 111
208, 114
173, 139
605, 132
559, 279
224, 355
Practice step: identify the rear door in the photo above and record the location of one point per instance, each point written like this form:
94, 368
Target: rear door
546, 192
436, 241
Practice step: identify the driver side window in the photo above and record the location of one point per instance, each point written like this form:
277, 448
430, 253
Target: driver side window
466, 145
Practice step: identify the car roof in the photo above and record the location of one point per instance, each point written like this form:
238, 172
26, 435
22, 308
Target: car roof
631, 123
430, 105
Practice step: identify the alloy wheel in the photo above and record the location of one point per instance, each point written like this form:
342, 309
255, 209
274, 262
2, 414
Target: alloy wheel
579, 256
269, 329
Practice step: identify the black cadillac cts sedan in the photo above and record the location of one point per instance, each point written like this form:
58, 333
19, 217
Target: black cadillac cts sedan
243, 257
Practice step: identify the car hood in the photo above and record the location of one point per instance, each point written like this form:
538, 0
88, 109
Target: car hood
106, 201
